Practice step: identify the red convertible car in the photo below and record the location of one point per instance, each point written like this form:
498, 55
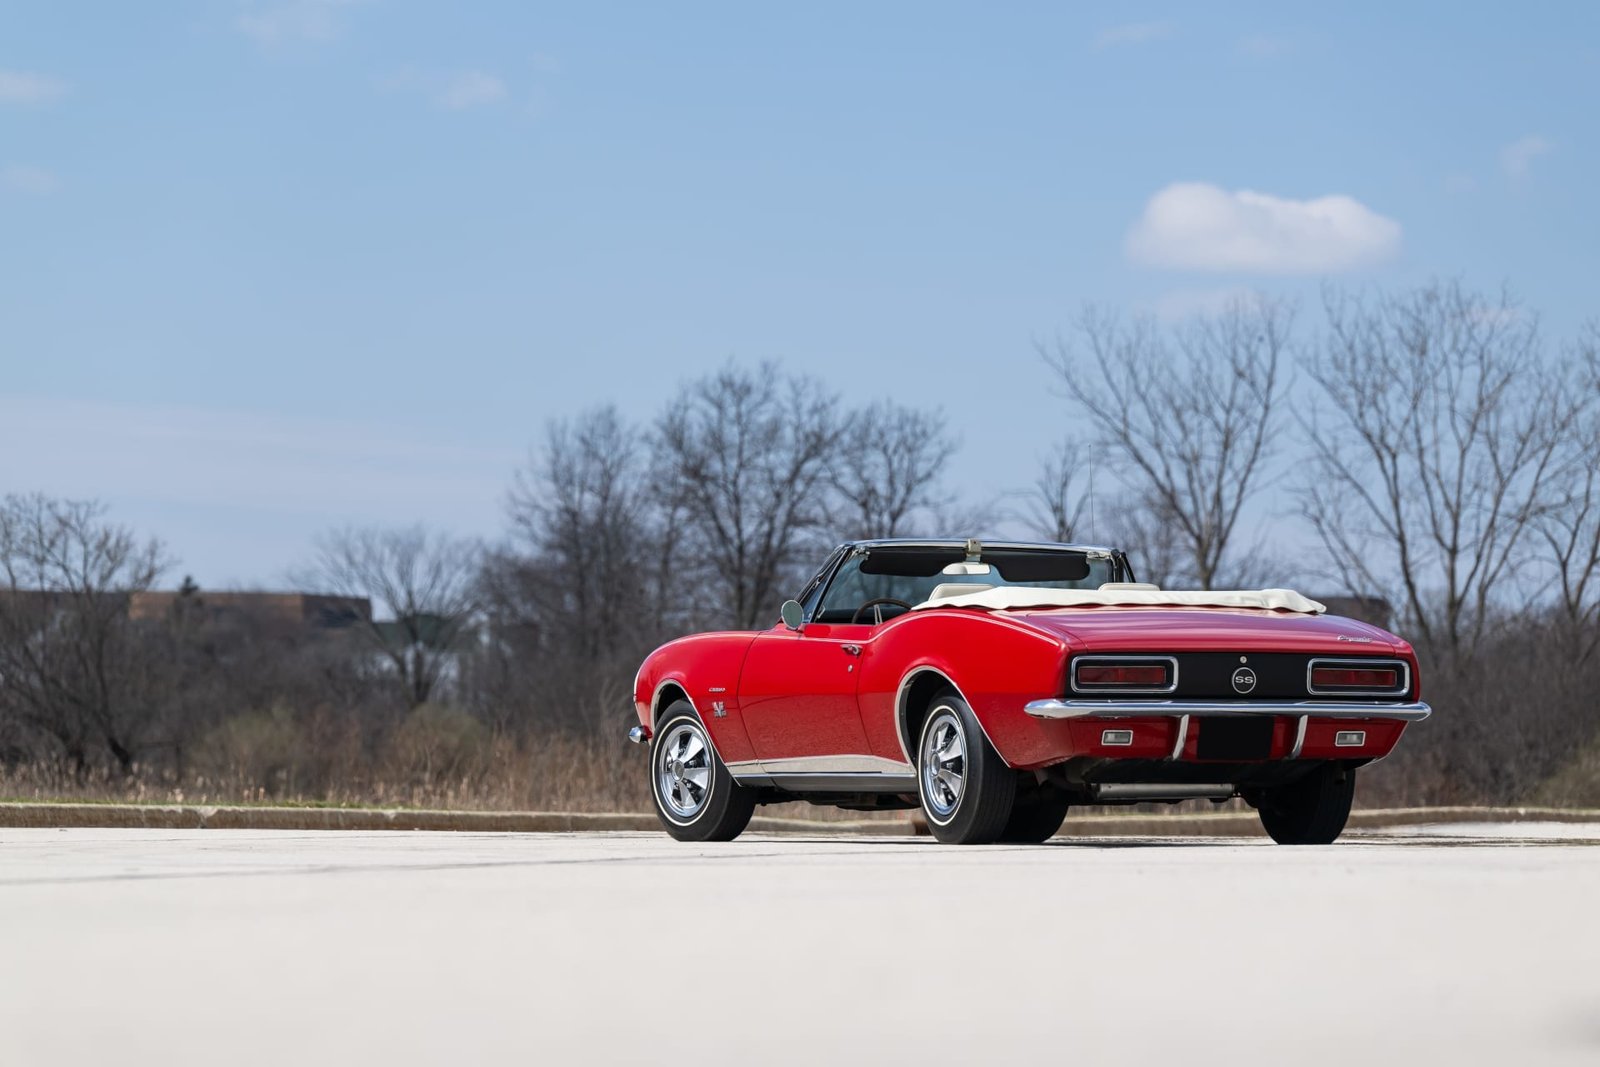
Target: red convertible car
994, 685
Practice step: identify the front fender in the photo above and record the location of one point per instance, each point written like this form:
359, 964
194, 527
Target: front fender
705, 669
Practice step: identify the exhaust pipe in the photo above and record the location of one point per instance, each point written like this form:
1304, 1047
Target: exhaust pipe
1157, 791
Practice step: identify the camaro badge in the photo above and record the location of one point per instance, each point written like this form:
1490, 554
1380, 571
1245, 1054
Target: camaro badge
1244, 680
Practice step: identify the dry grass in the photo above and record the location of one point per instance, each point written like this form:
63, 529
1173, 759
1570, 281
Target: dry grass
559, 773
440, 759
1577, 785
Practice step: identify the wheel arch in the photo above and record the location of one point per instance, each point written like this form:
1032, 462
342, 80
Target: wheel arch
667, 691
914, 700
670, 690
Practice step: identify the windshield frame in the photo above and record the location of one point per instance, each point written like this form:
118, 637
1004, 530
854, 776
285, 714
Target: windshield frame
817, 590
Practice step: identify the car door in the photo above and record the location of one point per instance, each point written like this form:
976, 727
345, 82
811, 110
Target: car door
797, 693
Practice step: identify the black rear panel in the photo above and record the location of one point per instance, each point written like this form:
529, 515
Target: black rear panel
1279, 675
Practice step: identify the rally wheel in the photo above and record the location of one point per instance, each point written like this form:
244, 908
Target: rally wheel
967, 791
696, 798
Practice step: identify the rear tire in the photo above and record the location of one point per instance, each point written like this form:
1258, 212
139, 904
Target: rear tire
1036, 818
965, 787
696, 798
1311, 810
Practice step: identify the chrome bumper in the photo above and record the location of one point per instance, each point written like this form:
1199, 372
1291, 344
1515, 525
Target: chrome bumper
1126, 709
639, 735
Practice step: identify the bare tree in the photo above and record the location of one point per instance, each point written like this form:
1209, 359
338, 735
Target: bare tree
1151, 539
744, 456
587, 585
70, 669
1569, 526
1442, 450
1061, 500
582, 511
427, 585
886, 471
1190, 413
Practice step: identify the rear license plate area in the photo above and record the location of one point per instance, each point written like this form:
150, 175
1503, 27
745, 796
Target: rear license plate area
1235, 739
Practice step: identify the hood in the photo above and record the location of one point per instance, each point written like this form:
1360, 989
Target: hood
1208, 630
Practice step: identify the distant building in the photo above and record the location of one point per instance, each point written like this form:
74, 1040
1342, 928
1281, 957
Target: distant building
311, 610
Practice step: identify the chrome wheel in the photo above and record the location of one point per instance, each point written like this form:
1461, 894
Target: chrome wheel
943, 764
683, 770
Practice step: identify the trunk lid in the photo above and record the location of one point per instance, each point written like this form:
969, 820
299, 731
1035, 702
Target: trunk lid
1169, 629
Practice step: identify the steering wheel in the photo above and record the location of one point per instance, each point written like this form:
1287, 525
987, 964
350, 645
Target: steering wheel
876, 604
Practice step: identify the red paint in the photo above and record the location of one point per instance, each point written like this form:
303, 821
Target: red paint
804, 694
797, 694
1382, 736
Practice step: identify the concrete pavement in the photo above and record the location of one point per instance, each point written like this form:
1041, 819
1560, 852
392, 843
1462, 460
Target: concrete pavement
1471, 944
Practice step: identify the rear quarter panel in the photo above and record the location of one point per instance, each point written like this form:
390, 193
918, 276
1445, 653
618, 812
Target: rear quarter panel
996, 664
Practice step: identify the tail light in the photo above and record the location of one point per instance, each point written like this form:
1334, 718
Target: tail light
1124, 674
1345, 677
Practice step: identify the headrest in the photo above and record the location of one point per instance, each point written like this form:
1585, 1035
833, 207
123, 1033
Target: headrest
950, 589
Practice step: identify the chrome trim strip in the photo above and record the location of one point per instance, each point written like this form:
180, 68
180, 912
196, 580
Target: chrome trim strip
871, 772
961, 543
1299, 737
655, 699
1327, 661
853, 764
1183, 737
1124, 709
1171, 661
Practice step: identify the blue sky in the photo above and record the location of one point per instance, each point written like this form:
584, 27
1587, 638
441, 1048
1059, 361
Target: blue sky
266, 268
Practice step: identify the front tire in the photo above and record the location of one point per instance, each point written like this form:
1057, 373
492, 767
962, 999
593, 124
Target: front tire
967, 791
696, 798
1311, 810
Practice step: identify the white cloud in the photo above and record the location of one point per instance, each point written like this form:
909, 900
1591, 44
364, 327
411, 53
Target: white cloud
471, 88
20, 178
20, 87
1134, 33
309, 21
1516, 158
1196, 226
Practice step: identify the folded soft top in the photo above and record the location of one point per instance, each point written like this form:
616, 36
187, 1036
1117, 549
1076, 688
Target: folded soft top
1019, 598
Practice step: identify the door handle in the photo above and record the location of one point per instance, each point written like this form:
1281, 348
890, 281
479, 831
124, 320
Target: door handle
851, 650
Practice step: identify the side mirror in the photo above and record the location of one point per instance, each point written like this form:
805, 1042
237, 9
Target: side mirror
793, 615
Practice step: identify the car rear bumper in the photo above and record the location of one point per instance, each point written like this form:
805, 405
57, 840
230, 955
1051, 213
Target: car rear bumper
1057, 708
1173, 730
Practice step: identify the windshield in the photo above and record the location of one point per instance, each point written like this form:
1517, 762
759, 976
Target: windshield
912, 574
